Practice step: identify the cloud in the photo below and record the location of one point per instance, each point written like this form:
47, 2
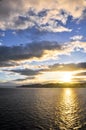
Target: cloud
8, 64
74, 7
25, 79
68, 67
77, 37
44, 20
54, 28
9, 55
74, 46
81, 74
20, 14
52, 68
52, 73
26, 72
83, 15
43, 50
29, 75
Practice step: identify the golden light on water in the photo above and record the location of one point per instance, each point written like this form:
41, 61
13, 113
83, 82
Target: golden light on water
68, 92
68, 106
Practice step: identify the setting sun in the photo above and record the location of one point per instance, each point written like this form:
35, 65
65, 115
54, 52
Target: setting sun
67, 77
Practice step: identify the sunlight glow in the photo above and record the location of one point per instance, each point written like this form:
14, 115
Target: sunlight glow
67, 77
57, 77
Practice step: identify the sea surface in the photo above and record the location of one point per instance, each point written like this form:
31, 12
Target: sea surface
42, 109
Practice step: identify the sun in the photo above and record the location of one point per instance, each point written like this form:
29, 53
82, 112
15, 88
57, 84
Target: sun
67, 77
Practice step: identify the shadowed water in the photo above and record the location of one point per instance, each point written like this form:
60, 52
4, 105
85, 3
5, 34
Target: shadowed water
43, 109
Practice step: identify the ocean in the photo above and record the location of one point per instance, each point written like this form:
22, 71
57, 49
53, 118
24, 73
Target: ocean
42, 109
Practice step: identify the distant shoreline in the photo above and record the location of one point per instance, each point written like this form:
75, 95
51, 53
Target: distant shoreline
54, 85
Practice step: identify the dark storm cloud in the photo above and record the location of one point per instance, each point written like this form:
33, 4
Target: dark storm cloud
21, 52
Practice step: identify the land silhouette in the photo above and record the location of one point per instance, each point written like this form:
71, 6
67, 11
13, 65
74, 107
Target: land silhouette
55, 85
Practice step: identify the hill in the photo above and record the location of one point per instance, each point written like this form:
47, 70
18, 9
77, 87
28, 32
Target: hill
55, 85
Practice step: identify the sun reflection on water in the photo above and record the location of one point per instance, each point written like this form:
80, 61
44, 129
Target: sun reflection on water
68, 92
67, 114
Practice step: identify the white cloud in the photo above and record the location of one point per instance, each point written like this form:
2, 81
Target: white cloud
73, 46
53, 28
77, 37
10, 10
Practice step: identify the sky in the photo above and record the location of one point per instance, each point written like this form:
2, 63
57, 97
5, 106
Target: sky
42, 41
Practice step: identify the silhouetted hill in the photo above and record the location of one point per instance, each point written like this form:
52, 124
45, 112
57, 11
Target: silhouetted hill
55, 85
